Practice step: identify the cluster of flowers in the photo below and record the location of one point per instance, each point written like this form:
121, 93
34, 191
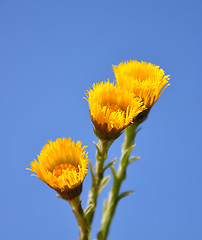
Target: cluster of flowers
62, 164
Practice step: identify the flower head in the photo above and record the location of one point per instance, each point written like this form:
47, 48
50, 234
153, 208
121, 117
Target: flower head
62, 165
112, 109
144, 79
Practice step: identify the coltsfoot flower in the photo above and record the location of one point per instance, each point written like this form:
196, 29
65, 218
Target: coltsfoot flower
112, 109
62, 165
144, 79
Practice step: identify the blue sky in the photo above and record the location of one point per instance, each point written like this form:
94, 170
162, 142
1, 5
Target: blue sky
51, 53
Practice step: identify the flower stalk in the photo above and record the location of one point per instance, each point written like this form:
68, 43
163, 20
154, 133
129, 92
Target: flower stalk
97, 177
79, 214
119, 176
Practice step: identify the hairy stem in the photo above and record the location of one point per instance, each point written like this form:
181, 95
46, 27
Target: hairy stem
119, 177
101, 156
79, 214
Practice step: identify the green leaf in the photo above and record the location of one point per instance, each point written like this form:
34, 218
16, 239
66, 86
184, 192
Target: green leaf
124, 160
97, 147
124, 194
114, 173
88, 209
103, 183
133, 159
110, 164
91, 169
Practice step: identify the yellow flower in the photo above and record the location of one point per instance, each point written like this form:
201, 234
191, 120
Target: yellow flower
112, 109
144, 79
62, 165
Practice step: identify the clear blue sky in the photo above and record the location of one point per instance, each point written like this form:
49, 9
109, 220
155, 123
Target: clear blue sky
50, 53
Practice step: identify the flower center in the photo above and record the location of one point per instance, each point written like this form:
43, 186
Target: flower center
58, 171
113, 107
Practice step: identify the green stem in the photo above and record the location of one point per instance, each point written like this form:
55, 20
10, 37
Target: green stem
101, 156
113, 199
79, 214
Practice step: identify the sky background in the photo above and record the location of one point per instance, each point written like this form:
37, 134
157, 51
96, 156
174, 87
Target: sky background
51, 52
